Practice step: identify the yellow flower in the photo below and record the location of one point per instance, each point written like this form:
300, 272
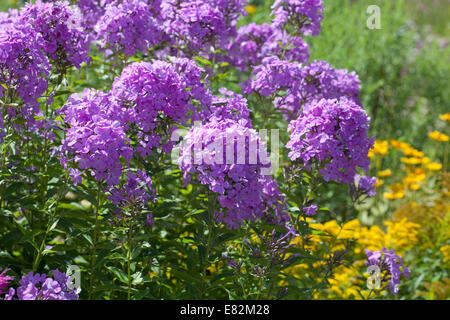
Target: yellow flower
380, 147
379, 183
446, 252
385, 173
412, 160
434, 166
445, 116
399, 145
415, 160
438, 136
402, 234
397, 192
411, 152
251, 9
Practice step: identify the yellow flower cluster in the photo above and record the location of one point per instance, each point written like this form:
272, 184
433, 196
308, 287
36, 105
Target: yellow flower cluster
446, 252
445, 116
347, 281
415, 176
438, 136
380, 147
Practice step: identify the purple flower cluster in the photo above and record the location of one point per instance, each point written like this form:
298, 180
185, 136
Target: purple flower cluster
303, 16
40, 287
23, 67
198, 24
93, 10
63, 34
156, 95
254, 42
230, 106
128, 26
227, 156
301, 84
364, 185
138, 115
389, 264
95, 140
331, 135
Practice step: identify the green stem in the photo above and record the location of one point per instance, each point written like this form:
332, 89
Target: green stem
211, 209
47, 231
129, 244
95, 236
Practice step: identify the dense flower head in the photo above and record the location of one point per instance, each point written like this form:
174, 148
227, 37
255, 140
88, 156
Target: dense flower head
199, 24
303, 16
230, 105
40, 287
63, 33
253, 42
93, 10
156, 95
301, 83
23, 67
228, 157
390, 263
245, 48
332, 135
128, 26
94, 140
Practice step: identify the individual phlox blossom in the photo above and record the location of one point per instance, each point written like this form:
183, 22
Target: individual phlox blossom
226, 156
230, 105
303, 16
156, 95
23, 68
199, 24
390, 264
331, 134
128, 26
94, 141
4, 279
135, 193
301, 83
62, 29
40, 287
